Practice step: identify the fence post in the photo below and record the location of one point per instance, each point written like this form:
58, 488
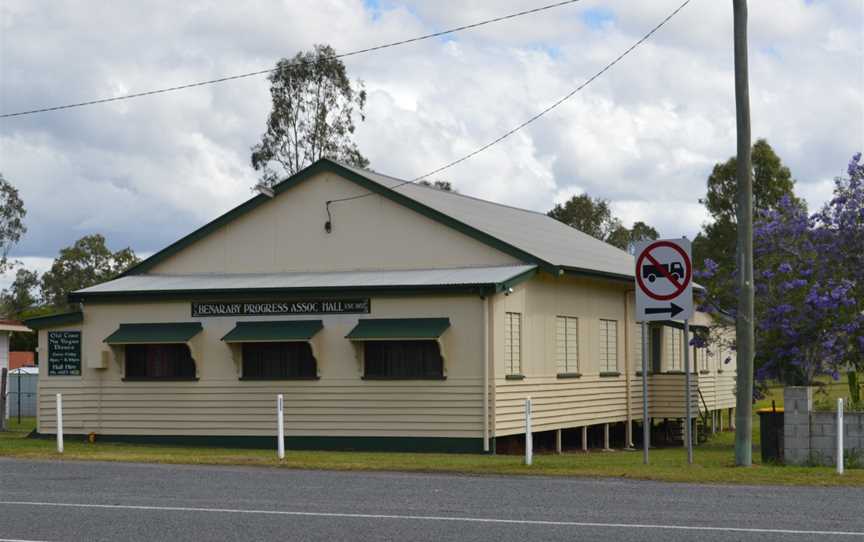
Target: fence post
529, 441
59, 424
839, 436
3, 373
18, 396
280, 431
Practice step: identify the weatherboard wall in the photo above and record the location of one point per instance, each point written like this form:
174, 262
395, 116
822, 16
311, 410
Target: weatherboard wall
591, 396
340, 403
565, 401
287, 234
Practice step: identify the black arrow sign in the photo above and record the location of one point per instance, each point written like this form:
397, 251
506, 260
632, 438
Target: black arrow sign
672, 309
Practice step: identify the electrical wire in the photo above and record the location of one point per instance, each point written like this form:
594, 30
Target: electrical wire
530, 120
269, 70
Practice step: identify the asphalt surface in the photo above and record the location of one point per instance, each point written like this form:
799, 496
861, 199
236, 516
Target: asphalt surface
130, 502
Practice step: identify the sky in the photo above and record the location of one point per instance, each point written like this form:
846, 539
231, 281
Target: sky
644, 136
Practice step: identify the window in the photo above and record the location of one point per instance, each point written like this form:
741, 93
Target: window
702, 358
278, 360
159, 361
513, 343
656, 343
674, 339
567, 342
608, 346
403, 360
637, 348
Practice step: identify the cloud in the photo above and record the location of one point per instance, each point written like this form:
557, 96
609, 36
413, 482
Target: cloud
645, 135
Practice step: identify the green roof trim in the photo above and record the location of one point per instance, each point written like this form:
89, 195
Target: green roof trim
274, 331
179, 332
247, 293
55, 320
325, 165
399, 328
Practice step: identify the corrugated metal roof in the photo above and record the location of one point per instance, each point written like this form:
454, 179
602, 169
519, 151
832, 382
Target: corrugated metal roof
530, 231
463, 276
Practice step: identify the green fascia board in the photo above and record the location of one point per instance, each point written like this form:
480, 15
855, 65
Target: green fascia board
177, 332
325, 165
274, 331
580, 272
513, 281
479, 289
55, 320
399, 328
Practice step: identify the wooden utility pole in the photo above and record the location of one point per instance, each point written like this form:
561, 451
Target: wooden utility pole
744, 334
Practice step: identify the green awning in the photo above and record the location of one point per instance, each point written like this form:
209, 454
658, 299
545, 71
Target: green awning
283, 330
399, 328
179, 332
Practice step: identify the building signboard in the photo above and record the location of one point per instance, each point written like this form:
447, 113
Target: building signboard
281, 307
64, 353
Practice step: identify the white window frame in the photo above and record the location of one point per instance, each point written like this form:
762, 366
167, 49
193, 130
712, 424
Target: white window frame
608, 363
567, 345
675, 345
513, 351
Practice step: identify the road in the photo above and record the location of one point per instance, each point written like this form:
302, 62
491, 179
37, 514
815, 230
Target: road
54, 501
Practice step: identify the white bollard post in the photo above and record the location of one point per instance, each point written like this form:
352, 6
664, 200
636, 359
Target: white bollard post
529, 442
839, 436
59, 424
280, 430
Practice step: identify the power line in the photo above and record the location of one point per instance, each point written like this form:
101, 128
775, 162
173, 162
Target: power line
269, 70
530, 120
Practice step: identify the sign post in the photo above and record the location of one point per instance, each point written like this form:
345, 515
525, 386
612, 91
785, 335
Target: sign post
646, 421
688, 433
664, 291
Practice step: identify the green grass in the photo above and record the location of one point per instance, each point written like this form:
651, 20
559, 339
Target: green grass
714, 461
824, 397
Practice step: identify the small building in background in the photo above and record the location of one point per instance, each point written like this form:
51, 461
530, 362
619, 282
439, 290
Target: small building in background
18, 359
6, 329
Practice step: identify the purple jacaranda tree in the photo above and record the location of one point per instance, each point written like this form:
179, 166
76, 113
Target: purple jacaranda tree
809, 273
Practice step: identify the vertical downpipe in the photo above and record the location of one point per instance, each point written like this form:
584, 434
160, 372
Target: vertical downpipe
627, 354
486, 301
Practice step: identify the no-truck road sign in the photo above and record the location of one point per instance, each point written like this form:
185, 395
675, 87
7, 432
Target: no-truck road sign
664, 280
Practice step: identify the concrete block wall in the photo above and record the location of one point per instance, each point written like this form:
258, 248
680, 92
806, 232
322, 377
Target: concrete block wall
797, 406
812, 436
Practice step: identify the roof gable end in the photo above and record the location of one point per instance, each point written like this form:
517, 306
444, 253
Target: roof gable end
352, 175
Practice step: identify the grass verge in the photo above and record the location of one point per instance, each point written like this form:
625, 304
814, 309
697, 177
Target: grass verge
714, 461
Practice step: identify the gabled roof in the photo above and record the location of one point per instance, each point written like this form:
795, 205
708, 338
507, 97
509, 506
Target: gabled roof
529, 236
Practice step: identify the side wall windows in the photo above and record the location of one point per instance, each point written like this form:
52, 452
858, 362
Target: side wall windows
513, 343
608, 346
674, 345
567, 344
